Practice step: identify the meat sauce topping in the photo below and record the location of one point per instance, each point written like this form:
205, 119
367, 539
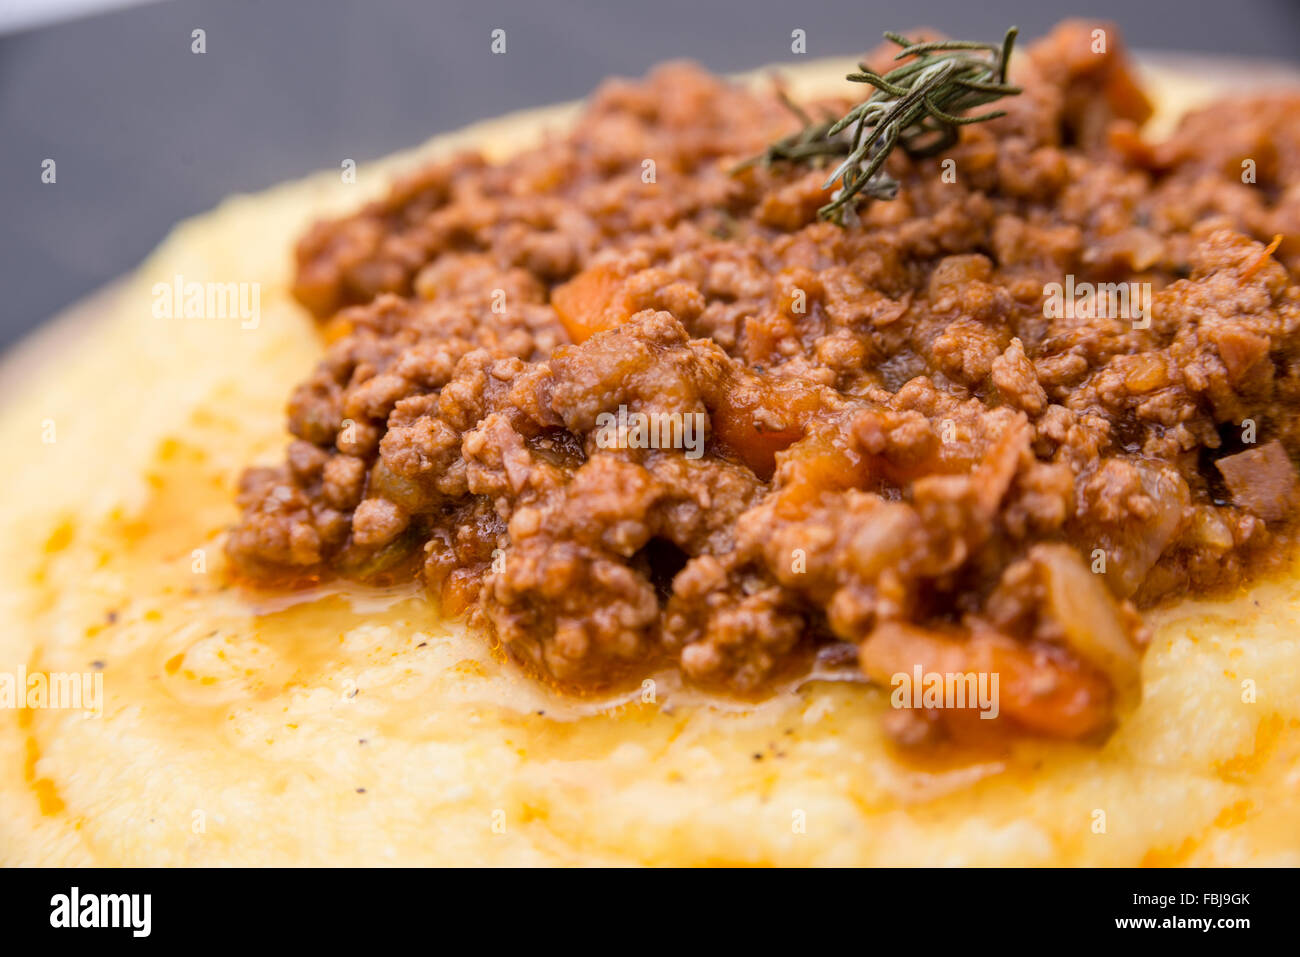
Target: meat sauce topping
907, 455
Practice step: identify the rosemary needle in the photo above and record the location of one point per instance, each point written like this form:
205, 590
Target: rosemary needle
918, 106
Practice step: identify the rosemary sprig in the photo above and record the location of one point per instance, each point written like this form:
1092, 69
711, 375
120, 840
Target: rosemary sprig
918, 105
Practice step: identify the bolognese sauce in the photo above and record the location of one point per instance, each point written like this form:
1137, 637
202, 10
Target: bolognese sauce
906, 451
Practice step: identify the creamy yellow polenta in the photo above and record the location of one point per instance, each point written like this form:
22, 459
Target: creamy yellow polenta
347, 726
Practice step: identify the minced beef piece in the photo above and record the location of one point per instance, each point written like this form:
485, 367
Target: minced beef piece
900, 445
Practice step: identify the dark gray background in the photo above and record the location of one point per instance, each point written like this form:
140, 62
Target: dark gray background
144, 132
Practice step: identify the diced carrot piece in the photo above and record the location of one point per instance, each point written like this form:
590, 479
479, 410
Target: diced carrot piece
337, 328
743, 415
590, 302
755, 447
1036, 692
1041, 694
818, 464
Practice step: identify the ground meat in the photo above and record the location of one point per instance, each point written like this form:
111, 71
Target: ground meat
881, 436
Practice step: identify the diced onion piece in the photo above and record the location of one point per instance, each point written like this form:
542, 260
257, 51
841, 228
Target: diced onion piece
1087, 613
